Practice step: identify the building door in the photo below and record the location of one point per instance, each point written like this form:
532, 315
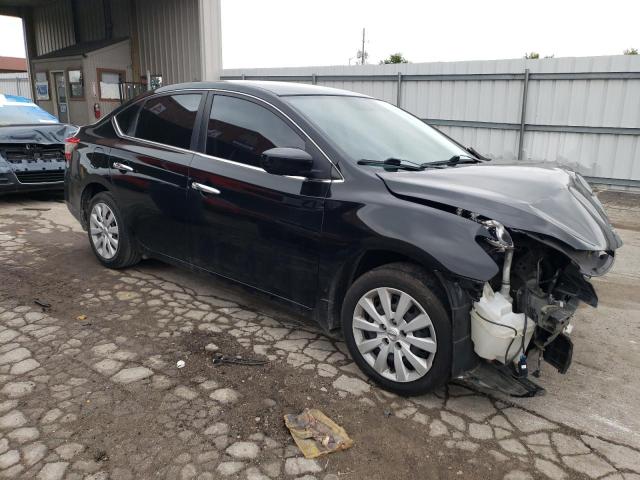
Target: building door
62, 105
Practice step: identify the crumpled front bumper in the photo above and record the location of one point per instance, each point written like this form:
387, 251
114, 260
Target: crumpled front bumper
34, 176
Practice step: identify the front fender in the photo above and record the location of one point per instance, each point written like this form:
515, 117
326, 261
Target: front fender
440, 240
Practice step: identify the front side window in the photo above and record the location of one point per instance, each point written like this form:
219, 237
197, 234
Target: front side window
76, 84
241, 130
109, 83
368, 129
169, 119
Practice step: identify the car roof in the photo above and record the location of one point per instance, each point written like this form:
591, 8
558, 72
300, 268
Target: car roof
261, 86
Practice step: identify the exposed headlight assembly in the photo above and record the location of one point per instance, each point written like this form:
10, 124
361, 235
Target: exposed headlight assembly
498, 236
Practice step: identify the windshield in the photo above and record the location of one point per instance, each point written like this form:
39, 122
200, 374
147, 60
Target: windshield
21, 111
365, 128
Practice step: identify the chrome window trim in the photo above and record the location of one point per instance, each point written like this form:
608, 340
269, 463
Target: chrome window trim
262, 170
41, 183
182, 150
148, 142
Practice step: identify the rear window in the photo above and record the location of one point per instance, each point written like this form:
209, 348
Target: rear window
169, 119
21, 111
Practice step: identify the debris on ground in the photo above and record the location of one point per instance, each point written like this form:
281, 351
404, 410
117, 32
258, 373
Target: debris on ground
36, 209
180, 364
41, 303
316, 434
81, 318
219, 358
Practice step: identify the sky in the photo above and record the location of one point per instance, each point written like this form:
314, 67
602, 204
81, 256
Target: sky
281, 33
287, 33
11, 38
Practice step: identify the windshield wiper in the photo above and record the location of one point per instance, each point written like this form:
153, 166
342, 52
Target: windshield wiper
477, 154
455, 160
393, 163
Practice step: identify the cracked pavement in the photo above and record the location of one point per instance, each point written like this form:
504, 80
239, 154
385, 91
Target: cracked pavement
90, 389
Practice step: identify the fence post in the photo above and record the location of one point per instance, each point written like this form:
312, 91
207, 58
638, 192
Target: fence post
399, 90
243, 76
523, 112
314, 79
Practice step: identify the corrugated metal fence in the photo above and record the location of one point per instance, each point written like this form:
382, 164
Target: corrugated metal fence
15, 84
583, 113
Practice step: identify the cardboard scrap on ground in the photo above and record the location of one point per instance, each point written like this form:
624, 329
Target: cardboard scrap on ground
316, 434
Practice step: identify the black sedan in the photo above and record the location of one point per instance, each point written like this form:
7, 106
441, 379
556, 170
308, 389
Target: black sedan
432, 262
31, 147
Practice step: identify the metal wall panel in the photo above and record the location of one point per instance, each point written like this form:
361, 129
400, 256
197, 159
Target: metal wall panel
169, 39
15, 84
117, 57
121, 16
53, 25
489, 94
91, 20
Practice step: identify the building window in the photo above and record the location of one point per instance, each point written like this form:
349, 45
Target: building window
42, 86
109, 83
76, 84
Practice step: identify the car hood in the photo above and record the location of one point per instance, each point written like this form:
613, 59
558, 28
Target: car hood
551, 202
41, 134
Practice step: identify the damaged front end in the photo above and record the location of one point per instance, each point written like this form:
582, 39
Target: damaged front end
523, 314
32, 157
546, 234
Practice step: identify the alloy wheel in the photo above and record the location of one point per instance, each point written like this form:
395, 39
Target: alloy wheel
104, 230
394, 334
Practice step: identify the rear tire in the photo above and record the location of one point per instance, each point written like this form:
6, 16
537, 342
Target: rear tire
109, 236
397, 328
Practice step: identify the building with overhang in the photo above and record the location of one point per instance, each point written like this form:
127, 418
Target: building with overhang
85, 57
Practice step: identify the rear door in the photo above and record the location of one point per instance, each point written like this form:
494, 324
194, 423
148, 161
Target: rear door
149, 165
256, 228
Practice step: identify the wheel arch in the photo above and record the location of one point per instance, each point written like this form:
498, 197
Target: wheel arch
364, 262
89, 191
456, 293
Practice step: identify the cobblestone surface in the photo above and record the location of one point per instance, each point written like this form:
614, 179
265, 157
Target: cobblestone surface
89, 388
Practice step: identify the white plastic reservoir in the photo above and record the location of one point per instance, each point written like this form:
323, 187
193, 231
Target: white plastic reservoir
492, 327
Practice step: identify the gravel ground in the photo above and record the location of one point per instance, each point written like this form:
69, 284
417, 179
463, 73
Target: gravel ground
89, 387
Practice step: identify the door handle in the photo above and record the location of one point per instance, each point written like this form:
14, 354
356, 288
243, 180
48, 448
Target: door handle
122, 167
205, 188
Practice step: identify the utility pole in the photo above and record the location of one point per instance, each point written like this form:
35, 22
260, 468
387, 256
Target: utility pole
362, 51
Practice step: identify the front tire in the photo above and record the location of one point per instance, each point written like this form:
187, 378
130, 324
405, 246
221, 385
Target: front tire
110, 238
397, 328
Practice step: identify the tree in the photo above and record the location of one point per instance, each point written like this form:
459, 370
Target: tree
532, 55
631, 51
394, 58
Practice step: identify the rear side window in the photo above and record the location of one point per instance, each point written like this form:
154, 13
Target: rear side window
240, 130
169, 120
126, 119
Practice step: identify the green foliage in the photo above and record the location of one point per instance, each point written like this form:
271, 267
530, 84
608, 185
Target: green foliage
394, 58
631, 51
532, 55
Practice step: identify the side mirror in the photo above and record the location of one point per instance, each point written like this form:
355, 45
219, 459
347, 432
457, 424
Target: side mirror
287, 161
